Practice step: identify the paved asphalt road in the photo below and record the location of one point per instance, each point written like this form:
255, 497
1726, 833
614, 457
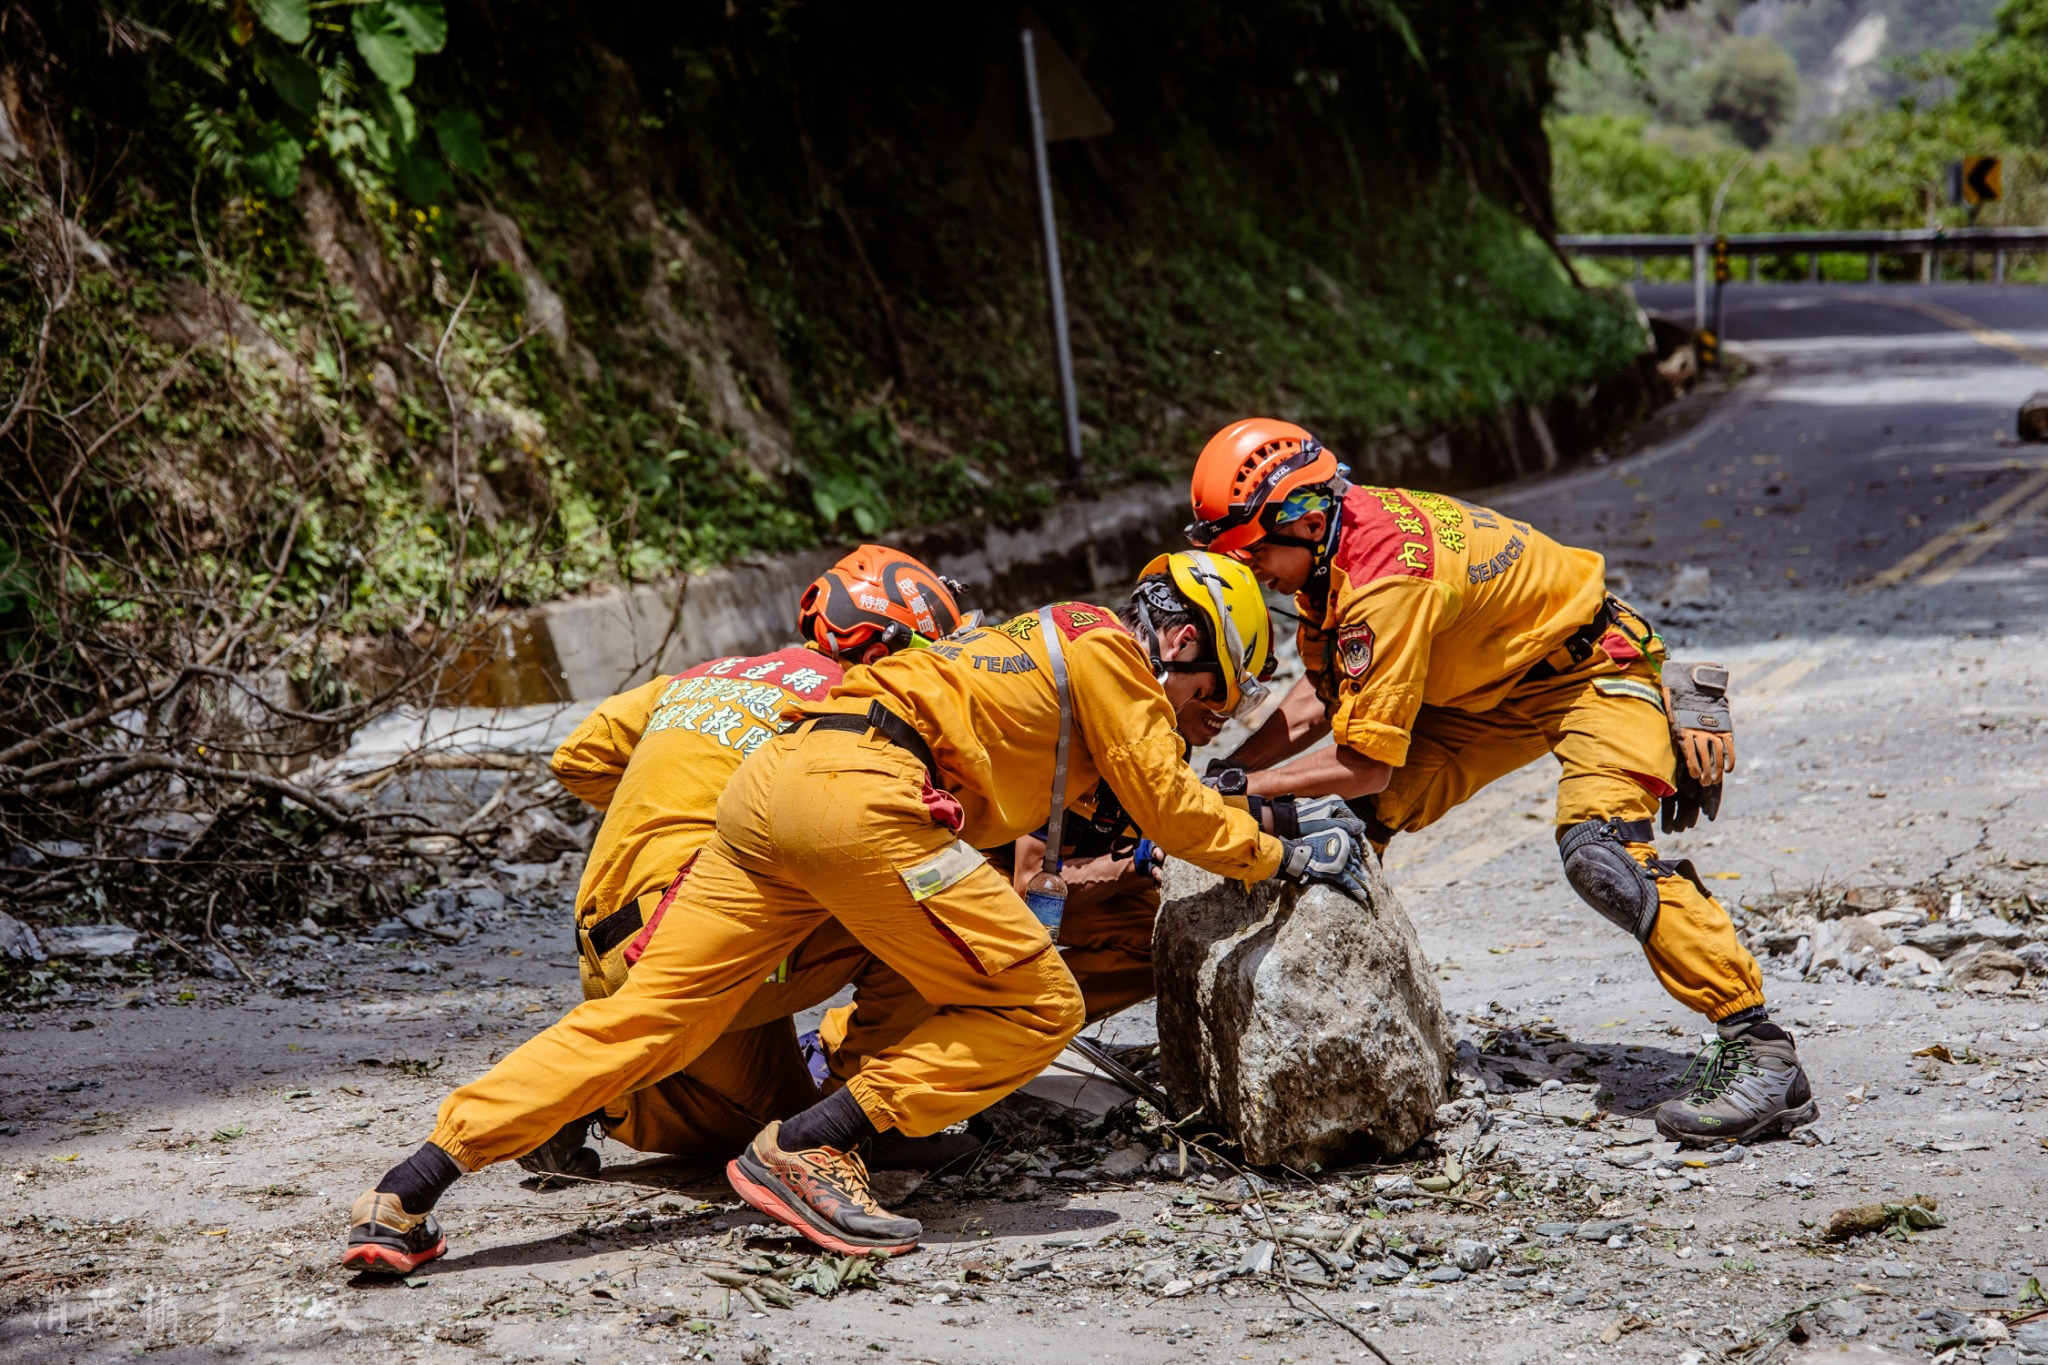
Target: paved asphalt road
1878, 553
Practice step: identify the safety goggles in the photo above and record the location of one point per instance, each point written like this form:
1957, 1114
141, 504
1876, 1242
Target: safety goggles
1201, 533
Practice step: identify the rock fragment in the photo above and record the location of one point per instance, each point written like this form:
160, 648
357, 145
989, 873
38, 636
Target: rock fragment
1986, 970
18, 942
1310, 1026
2033, 418
89, 940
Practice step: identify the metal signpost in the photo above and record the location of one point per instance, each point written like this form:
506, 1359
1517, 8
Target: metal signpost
1055, 288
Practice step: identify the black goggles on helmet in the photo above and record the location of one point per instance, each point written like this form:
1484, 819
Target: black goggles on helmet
1200, 533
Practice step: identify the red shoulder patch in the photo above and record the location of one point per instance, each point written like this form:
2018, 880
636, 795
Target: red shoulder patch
1384, 535
1076, 619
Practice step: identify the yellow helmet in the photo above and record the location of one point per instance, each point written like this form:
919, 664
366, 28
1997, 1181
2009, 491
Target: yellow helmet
1225, 592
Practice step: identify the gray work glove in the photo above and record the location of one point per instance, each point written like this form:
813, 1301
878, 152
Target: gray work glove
1329, 857
1296, 816
1703, 737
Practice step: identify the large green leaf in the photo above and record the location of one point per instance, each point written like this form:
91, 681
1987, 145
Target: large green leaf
461, 135
294, 80
424, 21
395, 113
421, 177
273, 161
290, 20
386, 48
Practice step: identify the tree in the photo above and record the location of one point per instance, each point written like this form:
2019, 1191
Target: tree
1753, 87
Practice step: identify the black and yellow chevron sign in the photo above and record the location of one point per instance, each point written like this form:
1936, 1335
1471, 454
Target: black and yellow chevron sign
1974, 180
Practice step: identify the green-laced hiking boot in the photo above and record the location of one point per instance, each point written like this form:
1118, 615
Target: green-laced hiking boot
1748, 1084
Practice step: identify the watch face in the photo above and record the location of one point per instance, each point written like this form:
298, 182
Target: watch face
1232, 782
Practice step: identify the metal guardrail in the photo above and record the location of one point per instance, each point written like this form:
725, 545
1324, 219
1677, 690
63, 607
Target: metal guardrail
1930, 244
1903, 242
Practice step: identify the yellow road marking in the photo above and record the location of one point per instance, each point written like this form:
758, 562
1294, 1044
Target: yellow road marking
1973, 550
1941, 544
1963, 322
1949, 539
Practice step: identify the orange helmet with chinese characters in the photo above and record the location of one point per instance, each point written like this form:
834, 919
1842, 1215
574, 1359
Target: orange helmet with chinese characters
1247, 468
877, 593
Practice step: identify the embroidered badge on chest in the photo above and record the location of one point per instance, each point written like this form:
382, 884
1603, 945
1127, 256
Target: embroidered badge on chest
1354, 650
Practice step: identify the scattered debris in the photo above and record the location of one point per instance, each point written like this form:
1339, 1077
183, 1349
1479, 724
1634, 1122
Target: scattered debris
1912, 1214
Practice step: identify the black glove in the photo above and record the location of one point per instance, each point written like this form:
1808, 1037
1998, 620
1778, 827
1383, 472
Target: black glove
1683, 808
1329, 857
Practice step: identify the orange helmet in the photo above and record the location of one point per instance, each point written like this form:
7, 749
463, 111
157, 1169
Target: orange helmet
1246, 468
877, 593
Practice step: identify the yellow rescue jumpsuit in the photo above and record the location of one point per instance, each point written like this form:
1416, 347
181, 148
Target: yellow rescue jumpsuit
1421, 647
820, 824
655, 760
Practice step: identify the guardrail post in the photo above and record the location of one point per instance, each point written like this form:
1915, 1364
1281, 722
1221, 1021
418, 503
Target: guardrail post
1873, 267
1934, 268
1813, 267
1751, 258
1998, 266
1699, 283
1638, 262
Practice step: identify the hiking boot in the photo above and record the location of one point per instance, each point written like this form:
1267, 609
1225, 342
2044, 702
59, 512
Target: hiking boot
383, 1239
1749, 1085
564, 1155
822, 1193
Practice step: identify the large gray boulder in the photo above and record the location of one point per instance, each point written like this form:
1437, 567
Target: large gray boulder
1308, 1028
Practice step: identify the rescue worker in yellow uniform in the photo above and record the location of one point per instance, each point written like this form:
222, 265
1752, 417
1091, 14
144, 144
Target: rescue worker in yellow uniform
1447, 645
1110, 867
868, 810
655, 760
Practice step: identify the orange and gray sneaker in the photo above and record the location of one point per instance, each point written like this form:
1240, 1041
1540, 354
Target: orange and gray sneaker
383, 1239
822, 1193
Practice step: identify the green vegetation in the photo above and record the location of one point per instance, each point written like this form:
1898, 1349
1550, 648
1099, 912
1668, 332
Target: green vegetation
1878, 168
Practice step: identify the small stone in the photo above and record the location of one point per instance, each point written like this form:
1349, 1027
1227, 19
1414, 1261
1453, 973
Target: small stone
1174, 1289
1071, 1175
1840, 1318
1574, 1296
1393, 1185
1993, 1286
1555, 1230
1156, 1275
1257, 1259
1471, 1256
1124, 1163
1444, 1274
1597, 1231
1037, 1266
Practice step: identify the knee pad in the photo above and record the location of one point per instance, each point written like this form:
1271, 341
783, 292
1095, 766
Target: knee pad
1598, 865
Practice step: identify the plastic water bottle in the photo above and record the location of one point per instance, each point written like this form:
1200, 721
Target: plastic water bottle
1046, 897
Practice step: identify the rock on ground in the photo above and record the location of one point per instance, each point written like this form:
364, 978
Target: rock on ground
1310, 1028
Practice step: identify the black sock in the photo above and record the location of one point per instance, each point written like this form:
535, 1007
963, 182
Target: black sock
836, 1121
1755, 1014
421, 1179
